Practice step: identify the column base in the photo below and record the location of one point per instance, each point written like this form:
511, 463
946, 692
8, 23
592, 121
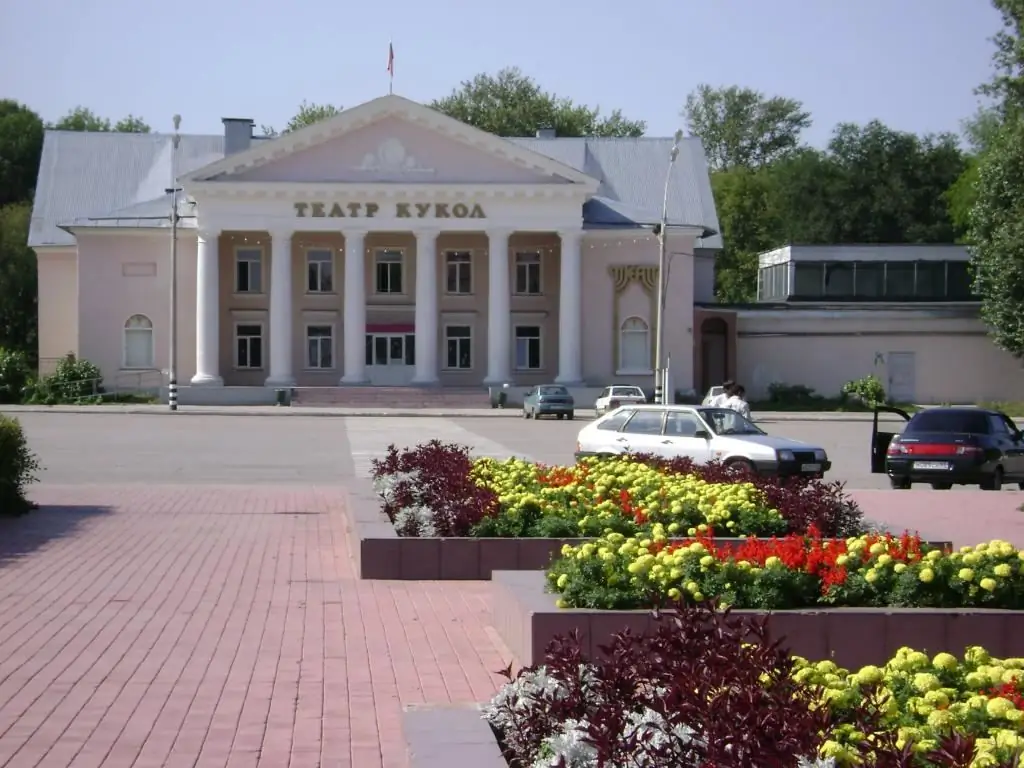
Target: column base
498, 381
430, 382
206, 380
569, 381
353, 380
279, 382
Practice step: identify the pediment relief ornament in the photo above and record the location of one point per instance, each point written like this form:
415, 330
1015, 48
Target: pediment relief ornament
391, 157
625, 274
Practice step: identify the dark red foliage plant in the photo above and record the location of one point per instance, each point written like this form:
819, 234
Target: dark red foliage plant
428, 491
803, 502
706, 689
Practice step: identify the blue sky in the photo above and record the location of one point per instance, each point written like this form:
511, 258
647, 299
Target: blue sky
910, 63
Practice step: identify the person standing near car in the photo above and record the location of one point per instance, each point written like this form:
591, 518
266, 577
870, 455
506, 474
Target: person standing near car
737, 401
720, 400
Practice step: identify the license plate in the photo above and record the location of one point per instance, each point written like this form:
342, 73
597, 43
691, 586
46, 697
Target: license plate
931, 465
810, 467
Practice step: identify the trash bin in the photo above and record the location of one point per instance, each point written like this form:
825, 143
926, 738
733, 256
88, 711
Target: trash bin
502, 398
282, 397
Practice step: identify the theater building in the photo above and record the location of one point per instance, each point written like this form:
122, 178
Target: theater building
389, 246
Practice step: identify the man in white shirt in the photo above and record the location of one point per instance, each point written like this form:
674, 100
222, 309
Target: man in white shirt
719, 400
737, 401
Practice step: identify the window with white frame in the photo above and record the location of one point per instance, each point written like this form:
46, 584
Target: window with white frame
458, 340
388, 271
528, 348
528, 273
459, 272
320, 270
249, 270
138, 343
634, 345
249, 345
319, 346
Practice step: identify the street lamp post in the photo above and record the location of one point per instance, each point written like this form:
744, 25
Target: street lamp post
660, 396
172, 367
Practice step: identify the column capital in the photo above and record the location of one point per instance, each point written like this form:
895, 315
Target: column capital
499, 231
207, 231
281, 231
570, 233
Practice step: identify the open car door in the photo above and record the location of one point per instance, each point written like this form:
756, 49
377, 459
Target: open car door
880, 439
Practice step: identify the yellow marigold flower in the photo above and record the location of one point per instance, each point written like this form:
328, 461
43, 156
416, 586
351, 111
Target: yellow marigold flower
998, 707
1002, 570
563, 580
940, 719
989, 585
869, 675
926, 681
927, 575
945, 661
966, 574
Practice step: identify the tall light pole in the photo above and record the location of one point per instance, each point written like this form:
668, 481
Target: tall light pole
659, 339
172, 367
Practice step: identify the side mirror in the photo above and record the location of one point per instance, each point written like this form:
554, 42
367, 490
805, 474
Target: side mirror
703, 433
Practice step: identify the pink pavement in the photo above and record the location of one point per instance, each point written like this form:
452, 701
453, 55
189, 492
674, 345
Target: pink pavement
218, 626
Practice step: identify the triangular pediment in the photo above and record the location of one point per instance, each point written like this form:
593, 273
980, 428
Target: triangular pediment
391, 140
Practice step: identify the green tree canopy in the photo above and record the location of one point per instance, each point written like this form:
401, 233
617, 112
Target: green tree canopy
21, 144
513, 104
84, 119
741, 127
996, 229
308, 114
18, 290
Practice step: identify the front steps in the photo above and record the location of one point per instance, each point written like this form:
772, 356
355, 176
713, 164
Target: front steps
391, 397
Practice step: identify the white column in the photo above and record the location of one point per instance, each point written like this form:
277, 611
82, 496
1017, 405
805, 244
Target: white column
355, 309
570, 337
207, 311
280, 310
499, 309
426, 308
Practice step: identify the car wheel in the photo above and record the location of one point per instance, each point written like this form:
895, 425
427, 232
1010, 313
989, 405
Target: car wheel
526, 413
942, 486
742, 465
899, 483
561, 416
1021, 485
994, 483
571, 415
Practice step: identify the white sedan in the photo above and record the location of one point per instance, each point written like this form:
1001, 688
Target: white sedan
701, 434
612, 397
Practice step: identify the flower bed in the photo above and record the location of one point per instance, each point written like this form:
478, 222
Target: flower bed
446, 516
710, 689
793, 572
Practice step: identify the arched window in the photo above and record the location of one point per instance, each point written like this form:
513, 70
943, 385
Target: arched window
138, 343
634, 346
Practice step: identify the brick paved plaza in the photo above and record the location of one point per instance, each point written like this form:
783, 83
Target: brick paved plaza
184, 596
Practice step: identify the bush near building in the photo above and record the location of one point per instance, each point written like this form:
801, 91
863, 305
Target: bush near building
18, 468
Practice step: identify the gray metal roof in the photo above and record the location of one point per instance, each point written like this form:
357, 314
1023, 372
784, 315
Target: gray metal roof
120, 180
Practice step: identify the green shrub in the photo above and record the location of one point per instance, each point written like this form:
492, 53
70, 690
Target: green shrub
868, 390
73, 381
14, 375
780, 393
18, 467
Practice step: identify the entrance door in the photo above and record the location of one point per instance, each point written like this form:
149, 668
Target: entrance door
390, 358
902, 377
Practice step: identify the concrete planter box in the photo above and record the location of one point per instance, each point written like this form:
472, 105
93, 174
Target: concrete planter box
450, 736
527, 619
380, 553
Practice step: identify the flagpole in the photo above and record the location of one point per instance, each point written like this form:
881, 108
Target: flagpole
391, 68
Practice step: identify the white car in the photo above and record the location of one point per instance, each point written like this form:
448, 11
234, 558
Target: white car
701, 434
612, 397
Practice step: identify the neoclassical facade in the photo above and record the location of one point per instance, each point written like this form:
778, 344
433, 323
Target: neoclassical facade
389, 245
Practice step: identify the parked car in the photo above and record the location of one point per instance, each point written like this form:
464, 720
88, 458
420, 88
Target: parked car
949, 446
548, 400
712, 394
612, 397
701, 434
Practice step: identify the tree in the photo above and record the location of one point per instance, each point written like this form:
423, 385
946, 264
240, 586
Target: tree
21, 145
741, 195
84, 119
308, 114
741, 127
513, 104
979, 131
997, 218
18, 286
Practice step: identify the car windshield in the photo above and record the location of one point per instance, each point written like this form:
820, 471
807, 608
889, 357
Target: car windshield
627, 392
941, 420
552, 391
726, 421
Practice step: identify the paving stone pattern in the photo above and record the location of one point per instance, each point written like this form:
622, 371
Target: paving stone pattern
218, 626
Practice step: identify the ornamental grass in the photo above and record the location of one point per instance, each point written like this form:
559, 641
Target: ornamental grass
790, 572
437, 489
710, 689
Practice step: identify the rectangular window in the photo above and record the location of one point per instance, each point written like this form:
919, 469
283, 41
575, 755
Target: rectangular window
320, 271
249, 270
390, 349
249, 345
528, 352
899, 279
869, 277
959, 276
930, 280
528, 273
459, 272
459, 347
808, 279
839, 280
388, 271
319, 346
